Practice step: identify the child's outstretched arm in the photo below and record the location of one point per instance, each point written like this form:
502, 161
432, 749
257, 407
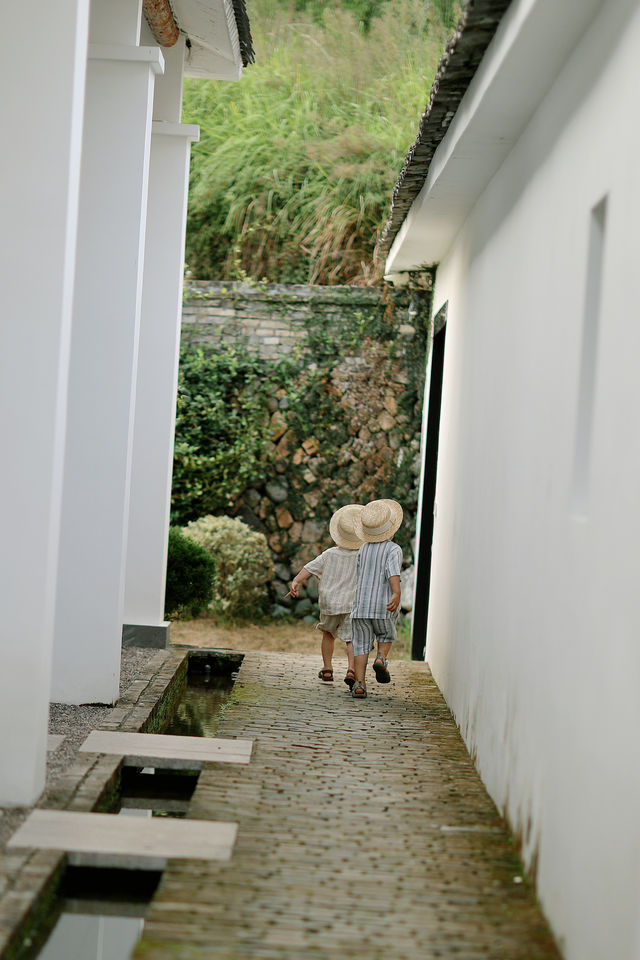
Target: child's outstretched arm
394, 603
297, 580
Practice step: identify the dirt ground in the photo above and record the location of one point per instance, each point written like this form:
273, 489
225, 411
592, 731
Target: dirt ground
271, 635
268, 635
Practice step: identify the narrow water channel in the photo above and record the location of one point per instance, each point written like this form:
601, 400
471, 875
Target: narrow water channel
101, 911
198, 711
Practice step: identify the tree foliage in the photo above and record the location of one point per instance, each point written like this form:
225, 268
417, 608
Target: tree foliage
366, 11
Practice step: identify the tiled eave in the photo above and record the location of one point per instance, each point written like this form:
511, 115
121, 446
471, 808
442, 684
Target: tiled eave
244, 32
456, 69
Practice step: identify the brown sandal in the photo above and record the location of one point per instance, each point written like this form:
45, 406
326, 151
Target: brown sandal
326, 674
381, 670
350, 678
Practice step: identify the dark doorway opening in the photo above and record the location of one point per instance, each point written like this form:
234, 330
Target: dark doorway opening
425, 532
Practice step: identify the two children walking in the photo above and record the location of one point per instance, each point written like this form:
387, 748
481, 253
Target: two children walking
359, 592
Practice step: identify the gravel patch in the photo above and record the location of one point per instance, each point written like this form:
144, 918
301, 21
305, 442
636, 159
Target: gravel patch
74, 723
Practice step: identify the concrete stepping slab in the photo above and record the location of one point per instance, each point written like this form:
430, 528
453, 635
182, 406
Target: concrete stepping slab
186, 753
105, 839
54, 740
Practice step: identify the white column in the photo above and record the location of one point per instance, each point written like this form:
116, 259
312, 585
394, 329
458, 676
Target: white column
158, 361
106, 317
42, 102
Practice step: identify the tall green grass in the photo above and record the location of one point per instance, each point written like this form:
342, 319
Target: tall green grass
292, 178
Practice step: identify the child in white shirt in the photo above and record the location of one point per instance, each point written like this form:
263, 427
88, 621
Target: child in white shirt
336, 570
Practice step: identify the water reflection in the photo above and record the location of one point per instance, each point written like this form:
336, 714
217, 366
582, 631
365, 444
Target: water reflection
101, 914
199, 710
86, 937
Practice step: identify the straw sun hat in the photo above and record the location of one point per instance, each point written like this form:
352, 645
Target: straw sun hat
378, 521
342, 526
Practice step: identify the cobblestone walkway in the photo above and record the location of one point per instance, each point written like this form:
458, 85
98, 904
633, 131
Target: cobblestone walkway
364, 832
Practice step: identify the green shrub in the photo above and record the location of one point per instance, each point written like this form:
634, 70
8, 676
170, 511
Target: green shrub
190, 570
242, 564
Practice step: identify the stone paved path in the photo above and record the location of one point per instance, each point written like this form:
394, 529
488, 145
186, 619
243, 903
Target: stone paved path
364, 832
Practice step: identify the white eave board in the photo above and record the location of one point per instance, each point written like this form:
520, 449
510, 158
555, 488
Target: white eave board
211, 28
528, 51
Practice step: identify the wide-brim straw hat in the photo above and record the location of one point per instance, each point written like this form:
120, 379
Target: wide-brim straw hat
342, 526
378, 521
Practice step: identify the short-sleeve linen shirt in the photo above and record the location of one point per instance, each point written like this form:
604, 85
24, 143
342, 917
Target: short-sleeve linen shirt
376, 563
336, 571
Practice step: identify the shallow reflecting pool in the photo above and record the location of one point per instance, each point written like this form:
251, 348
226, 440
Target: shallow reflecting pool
84, 937
198, 711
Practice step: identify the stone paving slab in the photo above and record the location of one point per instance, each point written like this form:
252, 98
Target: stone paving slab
103, 839
142, 749
364, 831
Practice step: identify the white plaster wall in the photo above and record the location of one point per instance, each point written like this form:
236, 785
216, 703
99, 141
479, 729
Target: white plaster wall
534, 623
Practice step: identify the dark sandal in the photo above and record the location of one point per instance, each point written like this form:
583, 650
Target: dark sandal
381, 671
350, 679
359, 691
326, 674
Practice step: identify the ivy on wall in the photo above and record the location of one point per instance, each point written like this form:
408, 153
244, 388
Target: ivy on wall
221, 430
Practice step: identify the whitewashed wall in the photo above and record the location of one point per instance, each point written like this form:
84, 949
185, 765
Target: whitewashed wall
534, 625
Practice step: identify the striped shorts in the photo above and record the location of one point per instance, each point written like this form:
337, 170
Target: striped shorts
365, 632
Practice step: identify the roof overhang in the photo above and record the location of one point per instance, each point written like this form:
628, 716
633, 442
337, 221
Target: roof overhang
529, 48
219, 37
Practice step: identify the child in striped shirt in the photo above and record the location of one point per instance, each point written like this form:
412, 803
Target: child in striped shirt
377, 598
336, 570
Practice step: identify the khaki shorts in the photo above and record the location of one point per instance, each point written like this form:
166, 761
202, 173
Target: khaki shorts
337, 624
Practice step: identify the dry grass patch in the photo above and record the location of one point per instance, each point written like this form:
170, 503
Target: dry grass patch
271, 635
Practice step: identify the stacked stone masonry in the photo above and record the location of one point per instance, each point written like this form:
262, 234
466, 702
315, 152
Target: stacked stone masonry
268, 317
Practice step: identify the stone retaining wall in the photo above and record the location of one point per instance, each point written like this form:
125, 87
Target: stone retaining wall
377, 392
272, 317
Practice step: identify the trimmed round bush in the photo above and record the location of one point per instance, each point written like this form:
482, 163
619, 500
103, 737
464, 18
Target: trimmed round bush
190, 569
242, 564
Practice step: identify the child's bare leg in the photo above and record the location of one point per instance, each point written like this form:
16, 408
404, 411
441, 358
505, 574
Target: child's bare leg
380, 667
350, 676
350, 659
360, 667
326, 648
383, 650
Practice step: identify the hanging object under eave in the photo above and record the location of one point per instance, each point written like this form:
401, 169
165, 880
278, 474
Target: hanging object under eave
162, 23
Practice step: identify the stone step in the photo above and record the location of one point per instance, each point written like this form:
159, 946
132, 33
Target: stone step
170, 752
104, 839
